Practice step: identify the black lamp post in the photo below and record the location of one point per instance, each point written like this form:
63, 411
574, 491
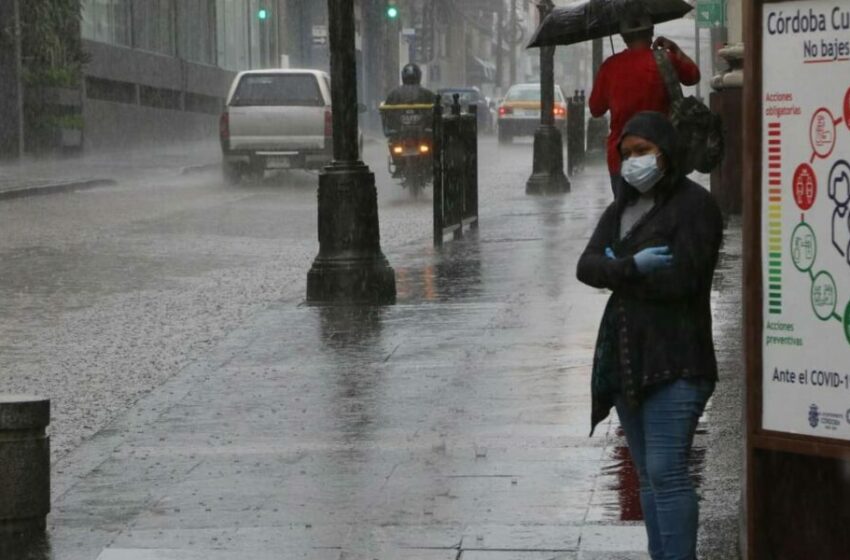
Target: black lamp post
350, 267
548, 172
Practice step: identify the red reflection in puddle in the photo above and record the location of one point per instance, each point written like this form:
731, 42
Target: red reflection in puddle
627, 485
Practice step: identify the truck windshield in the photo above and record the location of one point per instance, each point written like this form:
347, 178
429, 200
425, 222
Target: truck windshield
300, 90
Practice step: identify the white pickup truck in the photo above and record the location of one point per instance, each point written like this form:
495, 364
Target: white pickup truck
276, 119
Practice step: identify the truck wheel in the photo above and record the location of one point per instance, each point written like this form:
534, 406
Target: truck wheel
257, 169
232, 172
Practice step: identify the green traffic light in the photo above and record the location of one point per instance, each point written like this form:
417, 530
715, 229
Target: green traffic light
392, 12
263, 13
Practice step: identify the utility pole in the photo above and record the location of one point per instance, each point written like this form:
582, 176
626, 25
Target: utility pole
548, 176
350, 267
500, 40
513, 45
19, 77
697, 55
597, 56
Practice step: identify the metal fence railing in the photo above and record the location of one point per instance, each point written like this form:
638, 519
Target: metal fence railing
455, 170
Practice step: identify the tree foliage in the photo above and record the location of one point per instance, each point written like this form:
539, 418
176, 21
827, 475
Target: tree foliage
52, 48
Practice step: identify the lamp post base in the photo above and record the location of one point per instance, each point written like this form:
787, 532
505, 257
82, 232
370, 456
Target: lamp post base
548, 176
350, 267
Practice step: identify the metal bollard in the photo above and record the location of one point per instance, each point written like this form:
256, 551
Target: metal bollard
575, 133
24, 464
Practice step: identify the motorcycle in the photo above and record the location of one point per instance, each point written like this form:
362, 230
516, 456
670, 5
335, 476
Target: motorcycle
409, 133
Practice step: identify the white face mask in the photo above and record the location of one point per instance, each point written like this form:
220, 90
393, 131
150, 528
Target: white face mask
642, 172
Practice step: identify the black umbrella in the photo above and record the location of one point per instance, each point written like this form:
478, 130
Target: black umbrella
593, 19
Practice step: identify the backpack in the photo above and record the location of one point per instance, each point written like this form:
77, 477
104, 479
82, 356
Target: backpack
700, 130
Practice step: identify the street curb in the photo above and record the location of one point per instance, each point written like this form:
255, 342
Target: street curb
204, 167
54, 188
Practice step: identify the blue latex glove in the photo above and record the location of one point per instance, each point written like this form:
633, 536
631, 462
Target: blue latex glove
652, 259
610, 253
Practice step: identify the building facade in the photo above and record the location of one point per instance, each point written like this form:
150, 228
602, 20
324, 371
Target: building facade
153, 71
160, 69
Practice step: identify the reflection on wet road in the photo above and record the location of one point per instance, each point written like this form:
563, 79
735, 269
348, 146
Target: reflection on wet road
451, 425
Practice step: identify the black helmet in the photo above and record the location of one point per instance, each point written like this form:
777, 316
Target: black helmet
411, 74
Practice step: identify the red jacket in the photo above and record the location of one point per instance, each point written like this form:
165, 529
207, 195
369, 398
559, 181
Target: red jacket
630, 82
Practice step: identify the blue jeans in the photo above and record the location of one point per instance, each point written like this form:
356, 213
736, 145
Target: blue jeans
660, 433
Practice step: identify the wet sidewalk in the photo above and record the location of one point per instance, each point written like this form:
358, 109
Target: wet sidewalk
453, 425
51, 174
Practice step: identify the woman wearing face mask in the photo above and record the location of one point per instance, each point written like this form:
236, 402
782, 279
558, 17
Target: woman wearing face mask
656, 248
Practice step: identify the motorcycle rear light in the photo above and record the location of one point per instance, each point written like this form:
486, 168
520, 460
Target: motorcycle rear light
424, 148
329, 124
398, 150
505, 111
224, 126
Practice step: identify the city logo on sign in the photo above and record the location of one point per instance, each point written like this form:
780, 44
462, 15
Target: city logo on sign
814, 416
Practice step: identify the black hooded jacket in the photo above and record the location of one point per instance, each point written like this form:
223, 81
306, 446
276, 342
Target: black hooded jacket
657, 327
411, 94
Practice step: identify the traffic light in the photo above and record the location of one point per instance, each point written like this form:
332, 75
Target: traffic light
262, 14
392, 10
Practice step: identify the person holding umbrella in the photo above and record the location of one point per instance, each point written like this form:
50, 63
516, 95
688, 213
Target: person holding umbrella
656, 247
630, 81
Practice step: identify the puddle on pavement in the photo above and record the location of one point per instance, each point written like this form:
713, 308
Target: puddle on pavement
619, 491
453, 274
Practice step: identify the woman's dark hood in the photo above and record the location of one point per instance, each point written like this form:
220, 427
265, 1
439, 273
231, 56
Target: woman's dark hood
658, 129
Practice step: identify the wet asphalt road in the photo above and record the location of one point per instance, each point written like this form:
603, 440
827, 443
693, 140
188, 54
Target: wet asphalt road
108, 292
232, 421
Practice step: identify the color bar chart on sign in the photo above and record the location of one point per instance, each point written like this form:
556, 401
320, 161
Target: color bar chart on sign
774, 214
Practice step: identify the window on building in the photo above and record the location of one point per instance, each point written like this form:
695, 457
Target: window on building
232, 34
196, 30
153, 25
107, 21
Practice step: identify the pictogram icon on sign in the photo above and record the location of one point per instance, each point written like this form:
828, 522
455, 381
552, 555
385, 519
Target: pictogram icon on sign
839, 194
805, 186
804, 247
824, 295
822, 132
847, 321
847, 108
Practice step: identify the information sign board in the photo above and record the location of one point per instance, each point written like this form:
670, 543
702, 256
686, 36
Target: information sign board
710, 13
805, 218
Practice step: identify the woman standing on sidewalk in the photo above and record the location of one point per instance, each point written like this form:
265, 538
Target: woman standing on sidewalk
656, 248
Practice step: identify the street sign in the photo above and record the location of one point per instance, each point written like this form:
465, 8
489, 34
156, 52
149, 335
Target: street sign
710, 13
320, 35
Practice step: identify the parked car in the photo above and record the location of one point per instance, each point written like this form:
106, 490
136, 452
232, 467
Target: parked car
469, 96
276, 119
519, 112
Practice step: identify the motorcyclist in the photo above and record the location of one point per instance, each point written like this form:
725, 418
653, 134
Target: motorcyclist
407, 115
411, 91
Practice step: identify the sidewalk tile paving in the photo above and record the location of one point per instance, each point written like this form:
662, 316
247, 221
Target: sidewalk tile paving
453, 425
